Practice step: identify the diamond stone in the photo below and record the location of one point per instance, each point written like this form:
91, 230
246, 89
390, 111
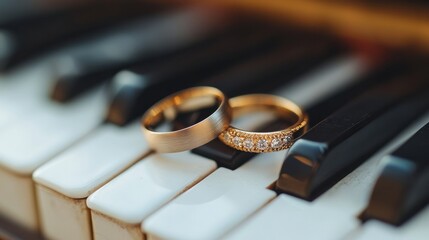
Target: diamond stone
288, 139
236, 141
227, 137
262, 144
276, 143
248, 143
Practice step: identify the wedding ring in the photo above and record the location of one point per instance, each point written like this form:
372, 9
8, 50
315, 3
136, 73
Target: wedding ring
195, 135
265, 141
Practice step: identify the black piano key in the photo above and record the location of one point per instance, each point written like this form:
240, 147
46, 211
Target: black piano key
277, 67
402, 187
224, 155
377, 73
130, 101
143, 42
46, 30
338, 144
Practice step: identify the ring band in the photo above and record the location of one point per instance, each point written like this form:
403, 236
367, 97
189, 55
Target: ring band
194, 135
265, 141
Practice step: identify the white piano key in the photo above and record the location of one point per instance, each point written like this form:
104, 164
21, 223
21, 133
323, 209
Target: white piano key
64, 183
23, 91
26, 89
27, 82
209, 209
262, 170
17, 200
58, 213
289, 217
374, 230
120, 206
27, 143
415, 228
6, 116
94, 160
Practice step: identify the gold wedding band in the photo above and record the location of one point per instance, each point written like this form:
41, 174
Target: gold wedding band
265, 141
194, 135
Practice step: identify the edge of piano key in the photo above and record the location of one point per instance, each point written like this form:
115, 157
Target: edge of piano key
105, 227
18, 190
65, 174
61, 216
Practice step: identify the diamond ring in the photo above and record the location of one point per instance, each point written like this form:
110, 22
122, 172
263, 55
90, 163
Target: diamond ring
259, 142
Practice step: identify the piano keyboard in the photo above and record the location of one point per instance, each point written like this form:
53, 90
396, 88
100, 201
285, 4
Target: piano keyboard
74, 163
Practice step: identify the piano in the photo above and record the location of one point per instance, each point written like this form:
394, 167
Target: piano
77, 76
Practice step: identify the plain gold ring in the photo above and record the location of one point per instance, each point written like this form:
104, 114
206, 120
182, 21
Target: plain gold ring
190, 137
259, 142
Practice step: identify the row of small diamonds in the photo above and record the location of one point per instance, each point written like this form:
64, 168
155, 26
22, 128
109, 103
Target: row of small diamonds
261, 143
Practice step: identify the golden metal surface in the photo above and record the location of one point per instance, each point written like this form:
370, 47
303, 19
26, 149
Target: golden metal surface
194, 135
265, 141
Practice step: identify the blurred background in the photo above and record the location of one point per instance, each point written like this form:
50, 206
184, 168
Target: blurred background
69, 67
